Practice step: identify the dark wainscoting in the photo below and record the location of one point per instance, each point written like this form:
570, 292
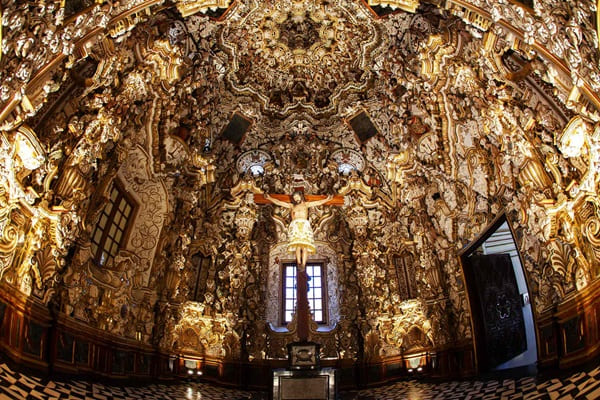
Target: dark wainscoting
31, 337
64, 346
24, 330
457, 361
569, 335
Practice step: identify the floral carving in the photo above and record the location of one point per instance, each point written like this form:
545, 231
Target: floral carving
480, 108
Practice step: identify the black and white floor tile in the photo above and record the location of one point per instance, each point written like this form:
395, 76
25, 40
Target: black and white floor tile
581, 385
578, 386
15, 385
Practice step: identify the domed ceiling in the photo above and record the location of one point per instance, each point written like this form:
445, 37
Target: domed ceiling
300, 57
430, 118
302, 70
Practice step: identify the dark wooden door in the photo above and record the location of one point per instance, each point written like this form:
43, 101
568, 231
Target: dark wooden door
496, 307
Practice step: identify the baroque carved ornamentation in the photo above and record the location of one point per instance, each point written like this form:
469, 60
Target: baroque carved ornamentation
480, 108
302, 55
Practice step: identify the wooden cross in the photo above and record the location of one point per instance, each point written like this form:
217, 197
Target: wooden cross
337, 200
300, 212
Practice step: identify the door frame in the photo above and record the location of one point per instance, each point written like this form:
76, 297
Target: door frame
476, 318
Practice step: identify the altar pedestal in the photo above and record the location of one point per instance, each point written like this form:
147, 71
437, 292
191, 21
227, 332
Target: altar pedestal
304, 385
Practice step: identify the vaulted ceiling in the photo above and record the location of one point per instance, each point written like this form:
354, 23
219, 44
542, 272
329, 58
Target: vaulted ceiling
430, 117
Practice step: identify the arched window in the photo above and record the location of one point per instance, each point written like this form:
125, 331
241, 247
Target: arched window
111, 229
324, 293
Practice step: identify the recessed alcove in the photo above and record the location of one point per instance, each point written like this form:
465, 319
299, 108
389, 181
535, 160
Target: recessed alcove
279, 255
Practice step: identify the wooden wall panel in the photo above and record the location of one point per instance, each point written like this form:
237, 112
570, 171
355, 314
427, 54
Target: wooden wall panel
569, 335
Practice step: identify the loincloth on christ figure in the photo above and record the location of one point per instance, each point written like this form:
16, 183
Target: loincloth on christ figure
300, 235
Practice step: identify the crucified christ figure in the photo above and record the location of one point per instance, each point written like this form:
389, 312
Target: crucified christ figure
300, 234
302, 242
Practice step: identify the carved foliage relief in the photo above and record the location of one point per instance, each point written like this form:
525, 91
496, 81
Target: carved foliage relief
470, 122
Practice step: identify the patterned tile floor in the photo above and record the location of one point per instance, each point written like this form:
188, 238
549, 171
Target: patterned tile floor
581, 385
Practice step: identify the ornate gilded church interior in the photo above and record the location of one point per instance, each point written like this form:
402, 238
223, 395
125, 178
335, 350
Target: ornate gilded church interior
459, 141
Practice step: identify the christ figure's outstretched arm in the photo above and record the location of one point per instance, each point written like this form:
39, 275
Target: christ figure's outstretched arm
277, 201
318, 202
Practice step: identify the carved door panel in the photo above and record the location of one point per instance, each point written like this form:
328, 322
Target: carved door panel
497, 305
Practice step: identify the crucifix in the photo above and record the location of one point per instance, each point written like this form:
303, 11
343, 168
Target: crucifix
301, 242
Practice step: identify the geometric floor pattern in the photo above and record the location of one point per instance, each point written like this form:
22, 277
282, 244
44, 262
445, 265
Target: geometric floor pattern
581, 385
14, 385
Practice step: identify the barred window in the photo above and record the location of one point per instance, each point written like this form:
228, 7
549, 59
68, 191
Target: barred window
201, 264
316, 292
111, 229
405, 274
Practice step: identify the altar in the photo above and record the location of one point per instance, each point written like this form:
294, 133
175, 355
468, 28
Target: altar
304, 378
317, 384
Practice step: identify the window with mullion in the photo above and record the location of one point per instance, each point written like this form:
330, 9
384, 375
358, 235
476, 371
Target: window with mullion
316, 292
405, 274
110, 230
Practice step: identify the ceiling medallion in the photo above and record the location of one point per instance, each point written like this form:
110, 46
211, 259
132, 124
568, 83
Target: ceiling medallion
300, 56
